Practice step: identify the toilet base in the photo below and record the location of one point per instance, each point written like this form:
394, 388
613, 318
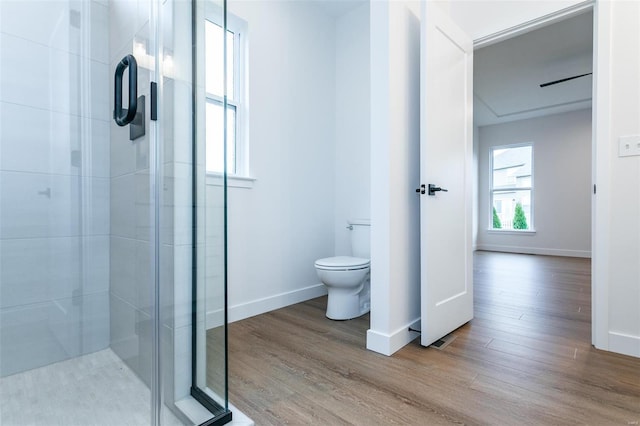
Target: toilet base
346, 304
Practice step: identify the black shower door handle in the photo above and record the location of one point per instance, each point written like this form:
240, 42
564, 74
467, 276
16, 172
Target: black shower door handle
120, 115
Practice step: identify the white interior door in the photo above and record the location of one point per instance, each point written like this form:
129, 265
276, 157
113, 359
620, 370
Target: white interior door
445, 162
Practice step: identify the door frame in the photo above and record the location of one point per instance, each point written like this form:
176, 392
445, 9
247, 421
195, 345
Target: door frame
600, 156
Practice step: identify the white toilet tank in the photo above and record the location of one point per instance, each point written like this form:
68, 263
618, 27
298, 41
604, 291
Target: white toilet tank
360, 238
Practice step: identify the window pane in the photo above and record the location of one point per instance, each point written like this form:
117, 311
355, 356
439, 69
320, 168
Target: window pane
213, 59
511, 210
231, 140
512, 167
230, 65
215, 138
213, 62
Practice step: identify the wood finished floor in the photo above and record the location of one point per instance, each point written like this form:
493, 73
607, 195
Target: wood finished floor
526, 358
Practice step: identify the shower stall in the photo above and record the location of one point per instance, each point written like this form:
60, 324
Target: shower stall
112, 250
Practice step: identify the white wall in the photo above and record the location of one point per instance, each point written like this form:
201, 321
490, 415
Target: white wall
617, 232
475, 190
352, 110
395, 141
562, 184
278, 228
482, 18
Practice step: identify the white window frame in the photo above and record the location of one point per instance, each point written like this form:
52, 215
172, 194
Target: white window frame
239, 103
530, 188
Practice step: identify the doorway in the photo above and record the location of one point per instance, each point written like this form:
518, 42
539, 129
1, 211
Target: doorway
534, 91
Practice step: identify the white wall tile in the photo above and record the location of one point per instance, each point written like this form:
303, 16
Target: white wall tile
122, 206
123, 268
130, 206
182, 286
167, 286
167, 204
182, 122
95, 322
48, 79
99, 148
182, 204
130, 268
26, 341
124, 339
96, 209
100, 94
95, 258
25, 272
37, 140
36, 21
123, 152
123, 17
167, 123
131, 336
37, 270
49, 23
182, 361
80, 324
41, 141
99, 32
25, 83
75, 266
40, 205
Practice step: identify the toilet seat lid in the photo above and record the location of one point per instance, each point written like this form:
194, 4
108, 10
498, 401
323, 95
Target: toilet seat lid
343, 262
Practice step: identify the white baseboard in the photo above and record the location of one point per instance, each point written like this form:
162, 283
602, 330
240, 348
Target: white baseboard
266, 304
535, 250
388, 344
625, 344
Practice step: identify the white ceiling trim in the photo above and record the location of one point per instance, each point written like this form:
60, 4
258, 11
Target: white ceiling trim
530, 110
534, 24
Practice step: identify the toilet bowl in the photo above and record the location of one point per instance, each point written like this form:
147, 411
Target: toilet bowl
347, 277
347, 281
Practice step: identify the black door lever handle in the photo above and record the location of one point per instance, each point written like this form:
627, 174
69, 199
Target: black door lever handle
433, 189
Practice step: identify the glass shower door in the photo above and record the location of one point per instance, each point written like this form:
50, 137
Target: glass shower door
76, 216
102, 257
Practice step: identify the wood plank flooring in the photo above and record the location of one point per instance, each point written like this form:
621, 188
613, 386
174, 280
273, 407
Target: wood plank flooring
526, 358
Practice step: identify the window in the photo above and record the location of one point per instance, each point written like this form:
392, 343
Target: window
512, 188
236, 160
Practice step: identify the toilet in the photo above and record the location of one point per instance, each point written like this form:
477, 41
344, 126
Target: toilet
347, 277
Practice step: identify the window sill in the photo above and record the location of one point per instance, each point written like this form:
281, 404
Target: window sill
233, 181
512, 232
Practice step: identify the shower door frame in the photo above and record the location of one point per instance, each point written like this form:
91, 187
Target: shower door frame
222, 413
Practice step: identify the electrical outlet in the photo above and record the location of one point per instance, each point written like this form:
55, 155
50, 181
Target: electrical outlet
628, 146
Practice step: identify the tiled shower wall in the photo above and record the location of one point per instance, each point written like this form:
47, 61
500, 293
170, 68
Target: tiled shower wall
54, 181
130, 207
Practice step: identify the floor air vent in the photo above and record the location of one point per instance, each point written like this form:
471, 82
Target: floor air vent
444, 342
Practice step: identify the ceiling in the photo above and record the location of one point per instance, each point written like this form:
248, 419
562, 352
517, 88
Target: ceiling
507, 75
336, 8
